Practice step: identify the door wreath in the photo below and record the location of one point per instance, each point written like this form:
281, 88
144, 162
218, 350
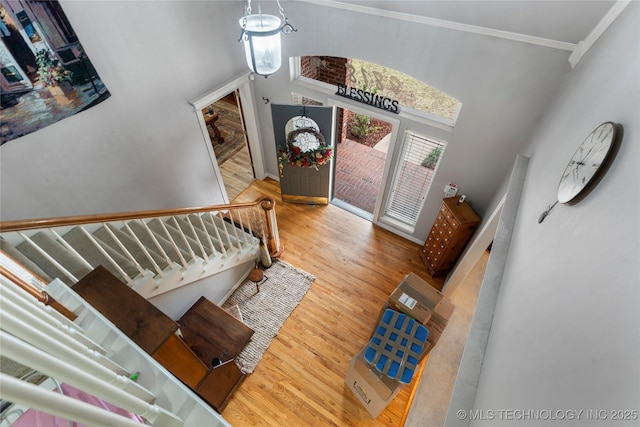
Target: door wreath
306, 148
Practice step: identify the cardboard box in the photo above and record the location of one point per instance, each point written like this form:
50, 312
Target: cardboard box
439, 319
372, 389
444, 310
415, 297
418, 299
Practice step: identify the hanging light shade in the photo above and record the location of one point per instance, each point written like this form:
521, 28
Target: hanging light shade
261, 38
262, 43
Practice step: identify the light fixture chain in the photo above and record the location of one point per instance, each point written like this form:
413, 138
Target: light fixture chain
281, 9
261, 37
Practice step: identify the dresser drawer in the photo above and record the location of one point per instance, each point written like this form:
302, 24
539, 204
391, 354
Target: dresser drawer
449, 234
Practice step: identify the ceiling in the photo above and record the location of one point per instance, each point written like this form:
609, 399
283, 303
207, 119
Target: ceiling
568, 21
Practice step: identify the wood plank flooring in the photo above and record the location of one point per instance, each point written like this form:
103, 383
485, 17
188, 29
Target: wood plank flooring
300, 379
236, 173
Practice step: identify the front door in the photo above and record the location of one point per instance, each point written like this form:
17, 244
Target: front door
304, 138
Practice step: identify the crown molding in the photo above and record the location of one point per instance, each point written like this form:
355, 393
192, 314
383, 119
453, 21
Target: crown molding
491, 32
597, 31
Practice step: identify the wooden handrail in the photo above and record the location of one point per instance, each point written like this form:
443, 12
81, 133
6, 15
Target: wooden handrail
266, 203
32, 224
41, 296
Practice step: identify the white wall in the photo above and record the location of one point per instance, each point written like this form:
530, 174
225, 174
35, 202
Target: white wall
566, 329
504, 87
142, 148
216, 288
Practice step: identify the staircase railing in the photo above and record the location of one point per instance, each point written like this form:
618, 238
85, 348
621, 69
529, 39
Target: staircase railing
153, 251
85, 359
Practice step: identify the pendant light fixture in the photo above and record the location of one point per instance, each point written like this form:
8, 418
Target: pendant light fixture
261, 37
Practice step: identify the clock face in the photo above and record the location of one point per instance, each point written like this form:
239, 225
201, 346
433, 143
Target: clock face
586, 162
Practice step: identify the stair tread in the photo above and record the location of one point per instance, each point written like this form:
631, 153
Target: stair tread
17, 255
162, 237
79, 241
131, 246
157, 228
66, 258
200, 236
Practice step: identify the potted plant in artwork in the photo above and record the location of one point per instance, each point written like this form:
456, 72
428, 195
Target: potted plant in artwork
51, 73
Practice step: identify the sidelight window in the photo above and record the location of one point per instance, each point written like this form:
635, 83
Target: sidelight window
416, 167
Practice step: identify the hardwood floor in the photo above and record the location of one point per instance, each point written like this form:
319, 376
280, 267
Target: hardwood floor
236, 173
232, 155
300, 379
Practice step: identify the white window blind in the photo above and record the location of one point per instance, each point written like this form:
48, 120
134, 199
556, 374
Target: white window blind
416, 166
300, 99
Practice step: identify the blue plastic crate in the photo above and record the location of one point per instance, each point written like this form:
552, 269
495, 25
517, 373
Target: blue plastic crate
396, 345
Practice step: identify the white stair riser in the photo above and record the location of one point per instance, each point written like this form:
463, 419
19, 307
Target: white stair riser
146, 268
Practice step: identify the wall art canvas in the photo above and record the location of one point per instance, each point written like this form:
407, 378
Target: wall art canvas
45, 74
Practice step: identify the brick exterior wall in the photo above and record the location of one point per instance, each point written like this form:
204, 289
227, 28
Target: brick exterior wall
332, 70
307, 69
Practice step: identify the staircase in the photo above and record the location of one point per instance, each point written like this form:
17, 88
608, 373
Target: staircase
51, 330
153, 252
106, 369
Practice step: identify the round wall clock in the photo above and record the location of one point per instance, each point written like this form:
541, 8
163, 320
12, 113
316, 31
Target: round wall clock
586, 162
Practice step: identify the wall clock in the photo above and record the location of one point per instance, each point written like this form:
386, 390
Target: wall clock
586, 162
586, 165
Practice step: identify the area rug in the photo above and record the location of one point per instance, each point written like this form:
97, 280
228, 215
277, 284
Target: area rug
230, 126
266, 311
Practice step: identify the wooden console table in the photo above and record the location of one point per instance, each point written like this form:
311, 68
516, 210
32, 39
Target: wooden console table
212, 333
210, 120
208, 333
217, 338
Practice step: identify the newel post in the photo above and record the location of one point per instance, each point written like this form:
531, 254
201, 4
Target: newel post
272, 236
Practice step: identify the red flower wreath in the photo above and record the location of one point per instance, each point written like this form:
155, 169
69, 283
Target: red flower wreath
294, 156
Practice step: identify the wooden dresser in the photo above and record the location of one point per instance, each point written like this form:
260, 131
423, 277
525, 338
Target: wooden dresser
208, 333
451, 231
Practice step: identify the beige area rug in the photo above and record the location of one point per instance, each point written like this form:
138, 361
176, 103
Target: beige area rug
266, 311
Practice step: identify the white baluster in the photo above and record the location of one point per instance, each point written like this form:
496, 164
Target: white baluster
225, 229
71, 249
20, 322
184, 238
217, 232
235, 230
109, 258
204, 228
175, 246
72, 368
48, 257
196, 238
249, 226
21, 272
19, 297
124, 249
144, 249
152, 235
54, 403
242, 228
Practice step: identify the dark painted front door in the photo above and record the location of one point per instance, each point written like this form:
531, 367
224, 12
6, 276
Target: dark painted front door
299, 183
